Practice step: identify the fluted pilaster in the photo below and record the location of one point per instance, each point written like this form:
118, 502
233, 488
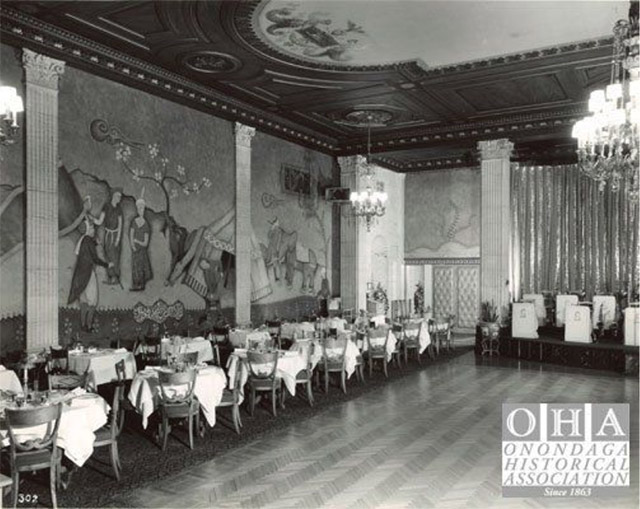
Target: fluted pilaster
496, 221
349, 240
244, 135
42, 76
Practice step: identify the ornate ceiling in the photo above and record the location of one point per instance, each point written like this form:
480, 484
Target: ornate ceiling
319, 77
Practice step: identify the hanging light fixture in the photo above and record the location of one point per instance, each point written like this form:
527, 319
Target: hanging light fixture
371, 202
608, 138
10, 106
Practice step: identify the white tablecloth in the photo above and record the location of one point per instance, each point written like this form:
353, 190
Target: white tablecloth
80, 419
289, 365
379, 341
9, 381
240, 338
101, 365
188, 345
145, 392
297, 330
424, 338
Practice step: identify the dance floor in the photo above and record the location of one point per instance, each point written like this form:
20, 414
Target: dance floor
431, 439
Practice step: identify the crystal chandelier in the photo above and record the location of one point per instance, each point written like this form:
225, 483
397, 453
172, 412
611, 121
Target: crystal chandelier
10, 106
370, 203
608, 138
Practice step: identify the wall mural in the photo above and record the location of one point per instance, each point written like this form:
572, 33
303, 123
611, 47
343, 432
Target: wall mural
442, 214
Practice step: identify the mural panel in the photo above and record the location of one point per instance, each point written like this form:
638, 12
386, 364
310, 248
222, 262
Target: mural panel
442, 214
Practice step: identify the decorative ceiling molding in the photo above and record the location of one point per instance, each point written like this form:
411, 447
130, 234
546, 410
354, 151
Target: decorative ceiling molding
24, 30
211, 62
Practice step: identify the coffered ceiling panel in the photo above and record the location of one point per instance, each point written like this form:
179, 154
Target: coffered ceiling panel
321, 72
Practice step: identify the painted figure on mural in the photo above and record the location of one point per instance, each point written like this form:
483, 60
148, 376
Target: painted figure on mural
324, 294
274, 239
84, 284
112, 220
139, 237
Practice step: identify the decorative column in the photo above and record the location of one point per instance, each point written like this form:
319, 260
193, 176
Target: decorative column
42, 77
350, 279
496, 222
244, 135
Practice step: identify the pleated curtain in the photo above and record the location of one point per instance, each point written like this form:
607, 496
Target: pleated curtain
568, 235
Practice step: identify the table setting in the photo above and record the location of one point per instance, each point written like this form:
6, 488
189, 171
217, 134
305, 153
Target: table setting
82, 414
210, 382
100, 364
421, 332
176, 345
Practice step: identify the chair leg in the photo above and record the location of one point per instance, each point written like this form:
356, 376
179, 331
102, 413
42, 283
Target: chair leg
384, 367
235, 414
52, 485
326, 381
114, 459
165, 431
15, 487
310, 392
252, 403
190, 424
343, 381
273, 401
370, 366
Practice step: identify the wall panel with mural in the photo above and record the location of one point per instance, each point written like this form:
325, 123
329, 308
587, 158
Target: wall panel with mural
152, 182
292, 227
442, 214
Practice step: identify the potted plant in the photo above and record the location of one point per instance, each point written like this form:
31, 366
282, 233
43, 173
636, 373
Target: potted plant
490, 317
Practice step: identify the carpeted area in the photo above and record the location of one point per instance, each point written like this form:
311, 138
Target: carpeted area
143, 462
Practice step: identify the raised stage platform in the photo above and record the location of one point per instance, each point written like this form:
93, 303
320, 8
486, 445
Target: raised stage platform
608, 354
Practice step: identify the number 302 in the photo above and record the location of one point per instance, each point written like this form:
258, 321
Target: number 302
27, 499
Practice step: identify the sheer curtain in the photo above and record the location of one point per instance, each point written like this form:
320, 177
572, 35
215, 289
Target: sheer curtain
567, 235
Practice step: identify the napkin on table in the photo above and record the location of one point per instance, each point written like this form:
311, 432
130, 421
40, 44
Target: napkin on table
121, 350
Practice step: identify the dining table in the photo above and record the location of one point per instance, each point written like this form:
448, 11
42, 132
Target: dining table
301, 330
82, 414
422, 332
100, 364
241, 338
144, 394
180, 345
9, 381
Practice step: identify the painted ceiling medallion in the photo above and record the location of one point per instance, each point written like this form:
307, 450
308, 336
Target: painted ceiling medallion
365, 118
211, 62
313, 31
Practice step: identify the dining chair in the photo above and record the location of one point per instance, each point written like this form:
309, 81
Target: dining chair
189, 358
262, 378
231, 398
333, 360
177, 401
377, 348
152, 351
58, 361
35, 453
274, 328
108, 434
124, 403
68, 381
411, 340
305, 376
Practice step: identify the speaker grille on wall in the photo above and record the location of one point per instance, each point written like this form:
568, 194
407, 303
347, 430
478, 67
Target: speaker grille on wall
337, 194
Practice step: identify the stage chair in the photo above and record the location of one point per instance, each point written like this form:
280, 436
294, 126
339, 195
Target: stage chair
562, 301
524, 323
578, 324
604, 310
538, 302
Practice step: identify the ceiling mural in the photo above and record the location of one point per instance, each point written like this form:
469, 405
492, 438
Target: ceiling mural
432, 78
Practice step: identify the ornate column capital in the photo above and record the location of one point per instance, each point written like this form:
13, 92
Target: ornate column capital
348, 165
41, 69
495, 149
244, 134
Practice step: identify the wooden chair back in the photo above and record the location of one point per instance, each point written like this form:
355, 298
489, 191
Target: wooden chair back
169, 380
68, 381
189, 358
262, 364
377, 339
28, 417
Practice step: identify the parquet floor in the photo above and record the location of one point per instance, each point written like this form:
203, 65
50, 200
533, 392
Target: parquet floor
431, 439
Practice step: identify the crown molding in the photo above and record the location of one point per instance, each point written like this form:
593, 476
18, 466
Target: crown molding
18, 28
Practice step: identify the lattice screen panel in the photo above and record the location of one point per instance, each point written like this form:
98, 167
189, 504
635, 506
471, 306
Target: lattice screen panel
468, 296
443, 291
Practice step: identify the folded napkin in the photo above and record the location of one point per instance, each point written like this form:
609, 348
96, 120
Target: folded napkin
121, 350
2, 368
78, 391
198, 338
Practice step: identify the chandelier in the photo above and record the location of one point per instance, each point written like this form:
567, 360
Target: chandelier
608, 138
370, 203
10, 106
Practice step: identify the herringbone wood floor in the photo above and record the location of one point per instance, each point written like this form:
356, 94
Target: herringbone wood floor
431, 439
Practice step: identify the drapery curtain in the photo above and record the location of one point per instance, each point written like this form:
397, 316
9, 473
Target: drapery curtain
567, 235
